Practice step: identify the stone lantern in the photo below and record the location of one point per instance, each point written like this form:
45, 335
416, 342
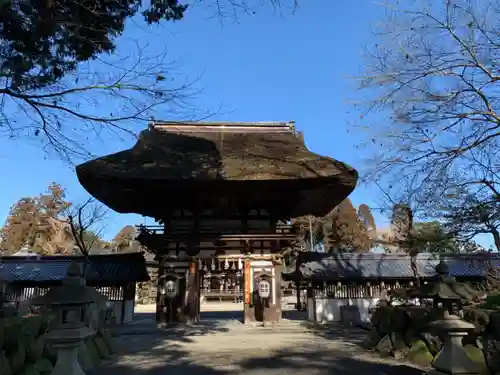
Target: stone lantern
449, 295
446, 292
69, 303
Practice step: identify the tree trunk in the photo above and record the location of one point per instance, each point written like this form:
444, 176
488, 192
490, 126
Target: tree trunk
496, 238
85, 267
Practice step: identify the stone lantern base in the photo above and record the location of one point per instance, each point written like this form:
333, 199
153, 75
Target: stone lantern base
67, 343
453, 359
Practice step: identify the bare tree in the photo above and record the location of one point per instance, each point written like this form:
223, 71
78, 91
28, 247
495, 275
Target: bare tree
86, 224
470, 215
432, 75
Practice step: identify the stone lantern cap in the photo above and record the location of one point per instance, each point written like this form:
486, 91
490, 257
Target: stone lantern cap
452, 323
446, 288
72, 292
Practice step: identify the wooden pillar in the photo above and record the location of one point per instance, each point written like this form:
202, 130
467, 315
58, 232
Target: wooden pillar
192, 306
192, 300
277, 291
162, 305
247, 292
160, 299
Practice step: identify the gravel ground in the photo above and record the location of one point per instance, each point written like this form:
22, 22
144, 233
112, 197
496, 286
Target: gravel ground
222, 345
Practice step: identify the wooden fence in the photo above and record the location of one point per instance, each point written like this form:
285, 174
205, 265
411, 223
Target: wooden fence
358, 290
19, 298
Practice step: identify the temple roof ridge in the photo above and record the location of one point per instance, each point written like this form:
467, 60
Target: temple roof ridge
224, 126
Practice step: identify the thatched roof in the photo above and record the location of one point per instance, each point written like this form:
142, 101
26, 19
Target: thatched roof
193, 154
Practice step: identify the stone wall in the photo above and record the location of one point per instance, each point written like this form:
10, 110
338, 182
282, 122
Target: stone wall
23, 350
402, 332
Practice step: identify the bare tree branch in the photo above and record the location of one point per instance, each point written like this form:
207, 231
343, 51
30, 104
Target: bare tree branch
111, 95
231, 10
86, 224
431, 90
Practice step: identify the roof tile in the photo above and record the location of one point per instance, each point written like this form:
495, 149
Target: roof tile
382, 266
103, 269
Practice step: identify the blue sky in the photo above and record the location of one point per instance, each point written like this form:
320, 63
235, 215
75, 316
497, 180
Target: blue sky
266, 67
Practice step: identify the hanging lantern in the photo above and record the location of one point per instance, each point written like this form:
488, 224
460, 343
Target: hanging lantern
205, 268
213, 264
240, 264
226, 264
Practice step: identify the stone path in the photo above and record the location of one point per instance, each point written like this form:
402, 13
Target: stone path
222, 345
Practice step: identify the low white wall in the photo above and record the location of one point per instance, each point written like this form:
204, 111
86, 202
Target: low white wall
328, 309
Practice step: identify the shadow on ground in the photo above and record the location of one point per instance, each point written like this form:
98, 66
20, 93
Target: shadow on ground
222, 345
175, 360
144, 324
204, 316
324, 362
336, 331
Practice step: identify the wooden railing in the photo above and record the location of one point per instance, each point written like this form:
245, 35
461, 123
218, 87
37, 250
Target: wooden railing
358, 290
228, 294
19, 299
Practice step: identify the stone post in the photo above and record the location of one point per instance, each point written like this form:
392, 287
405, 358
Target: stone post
452, 359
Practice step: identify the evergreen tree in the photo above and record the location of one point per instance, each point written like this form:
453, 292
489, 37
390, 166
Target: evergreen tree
346, 230
41, 223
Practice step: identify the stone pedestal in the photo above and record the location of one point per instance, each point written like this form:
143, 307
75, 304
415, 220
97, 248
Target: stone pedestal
67, 343
256, 309
453, 359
